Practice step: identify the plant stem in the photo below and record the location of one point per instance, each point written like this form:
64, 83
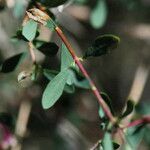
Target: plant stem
79, 64
31, 51
143, 120
41, 17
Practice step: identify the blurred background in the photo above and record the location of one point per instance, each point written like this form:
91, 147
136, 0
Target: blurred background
73, 123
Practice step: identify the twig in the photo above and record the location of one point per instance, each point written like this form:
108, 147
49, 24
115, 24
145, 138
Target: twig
31, 50
42, 17
93, 86
139, 83
22, 120
96, 145
143, 120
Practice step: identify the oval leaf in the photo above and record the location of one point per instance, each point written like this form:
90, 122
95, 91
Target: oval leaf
107, 100
66, 58
50, 74
99, 14
54, 89
102, 45
134, 138
19, 36
129, 108
52, 3
29, 30
47, 48
10, 64
107, 142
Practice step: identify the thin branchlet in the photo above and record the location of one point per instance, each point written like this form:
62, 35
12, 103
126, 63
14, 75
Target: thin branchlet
42, 17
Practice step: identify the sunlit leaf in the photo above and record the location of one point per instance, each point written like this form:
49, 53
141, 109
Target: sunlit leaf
99, 14
11, 63
19, 36
102, 45
66, 58
107, 141
54, 89
19, 9
29, 30
50, 74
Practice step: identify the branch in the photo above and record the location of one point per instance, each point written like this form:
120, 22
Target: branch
31, 51
42, 17
143, 120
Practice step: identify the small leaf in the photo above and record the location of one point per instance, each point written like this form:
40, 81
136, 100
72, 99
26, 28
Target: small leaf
129, 109
54, 89
107, 100
73, 79
107, 142
50, 74
66, 58
115, 145
99, 14
19, 36
2, 5
29, 30
52, 3
69, 89
134, 138
50, 24
101, 112
10, 64
102, 45
47, 48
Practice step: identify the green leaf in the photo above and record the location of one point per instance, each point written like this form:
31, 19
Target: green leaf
19, 36
129, 109
107, 142
134, 138
50, 74
107, 100
99, 14
66, 58
11, 63
52, 3
50, 24
47, 48
115, 145
101, 112
69, 88
19, 9
54, 89
73, 79
102, 45
29, 30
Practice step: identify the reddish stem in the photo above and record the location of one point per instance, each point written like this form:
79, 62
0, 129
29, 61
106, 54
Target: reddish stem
145, 119
79, 64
